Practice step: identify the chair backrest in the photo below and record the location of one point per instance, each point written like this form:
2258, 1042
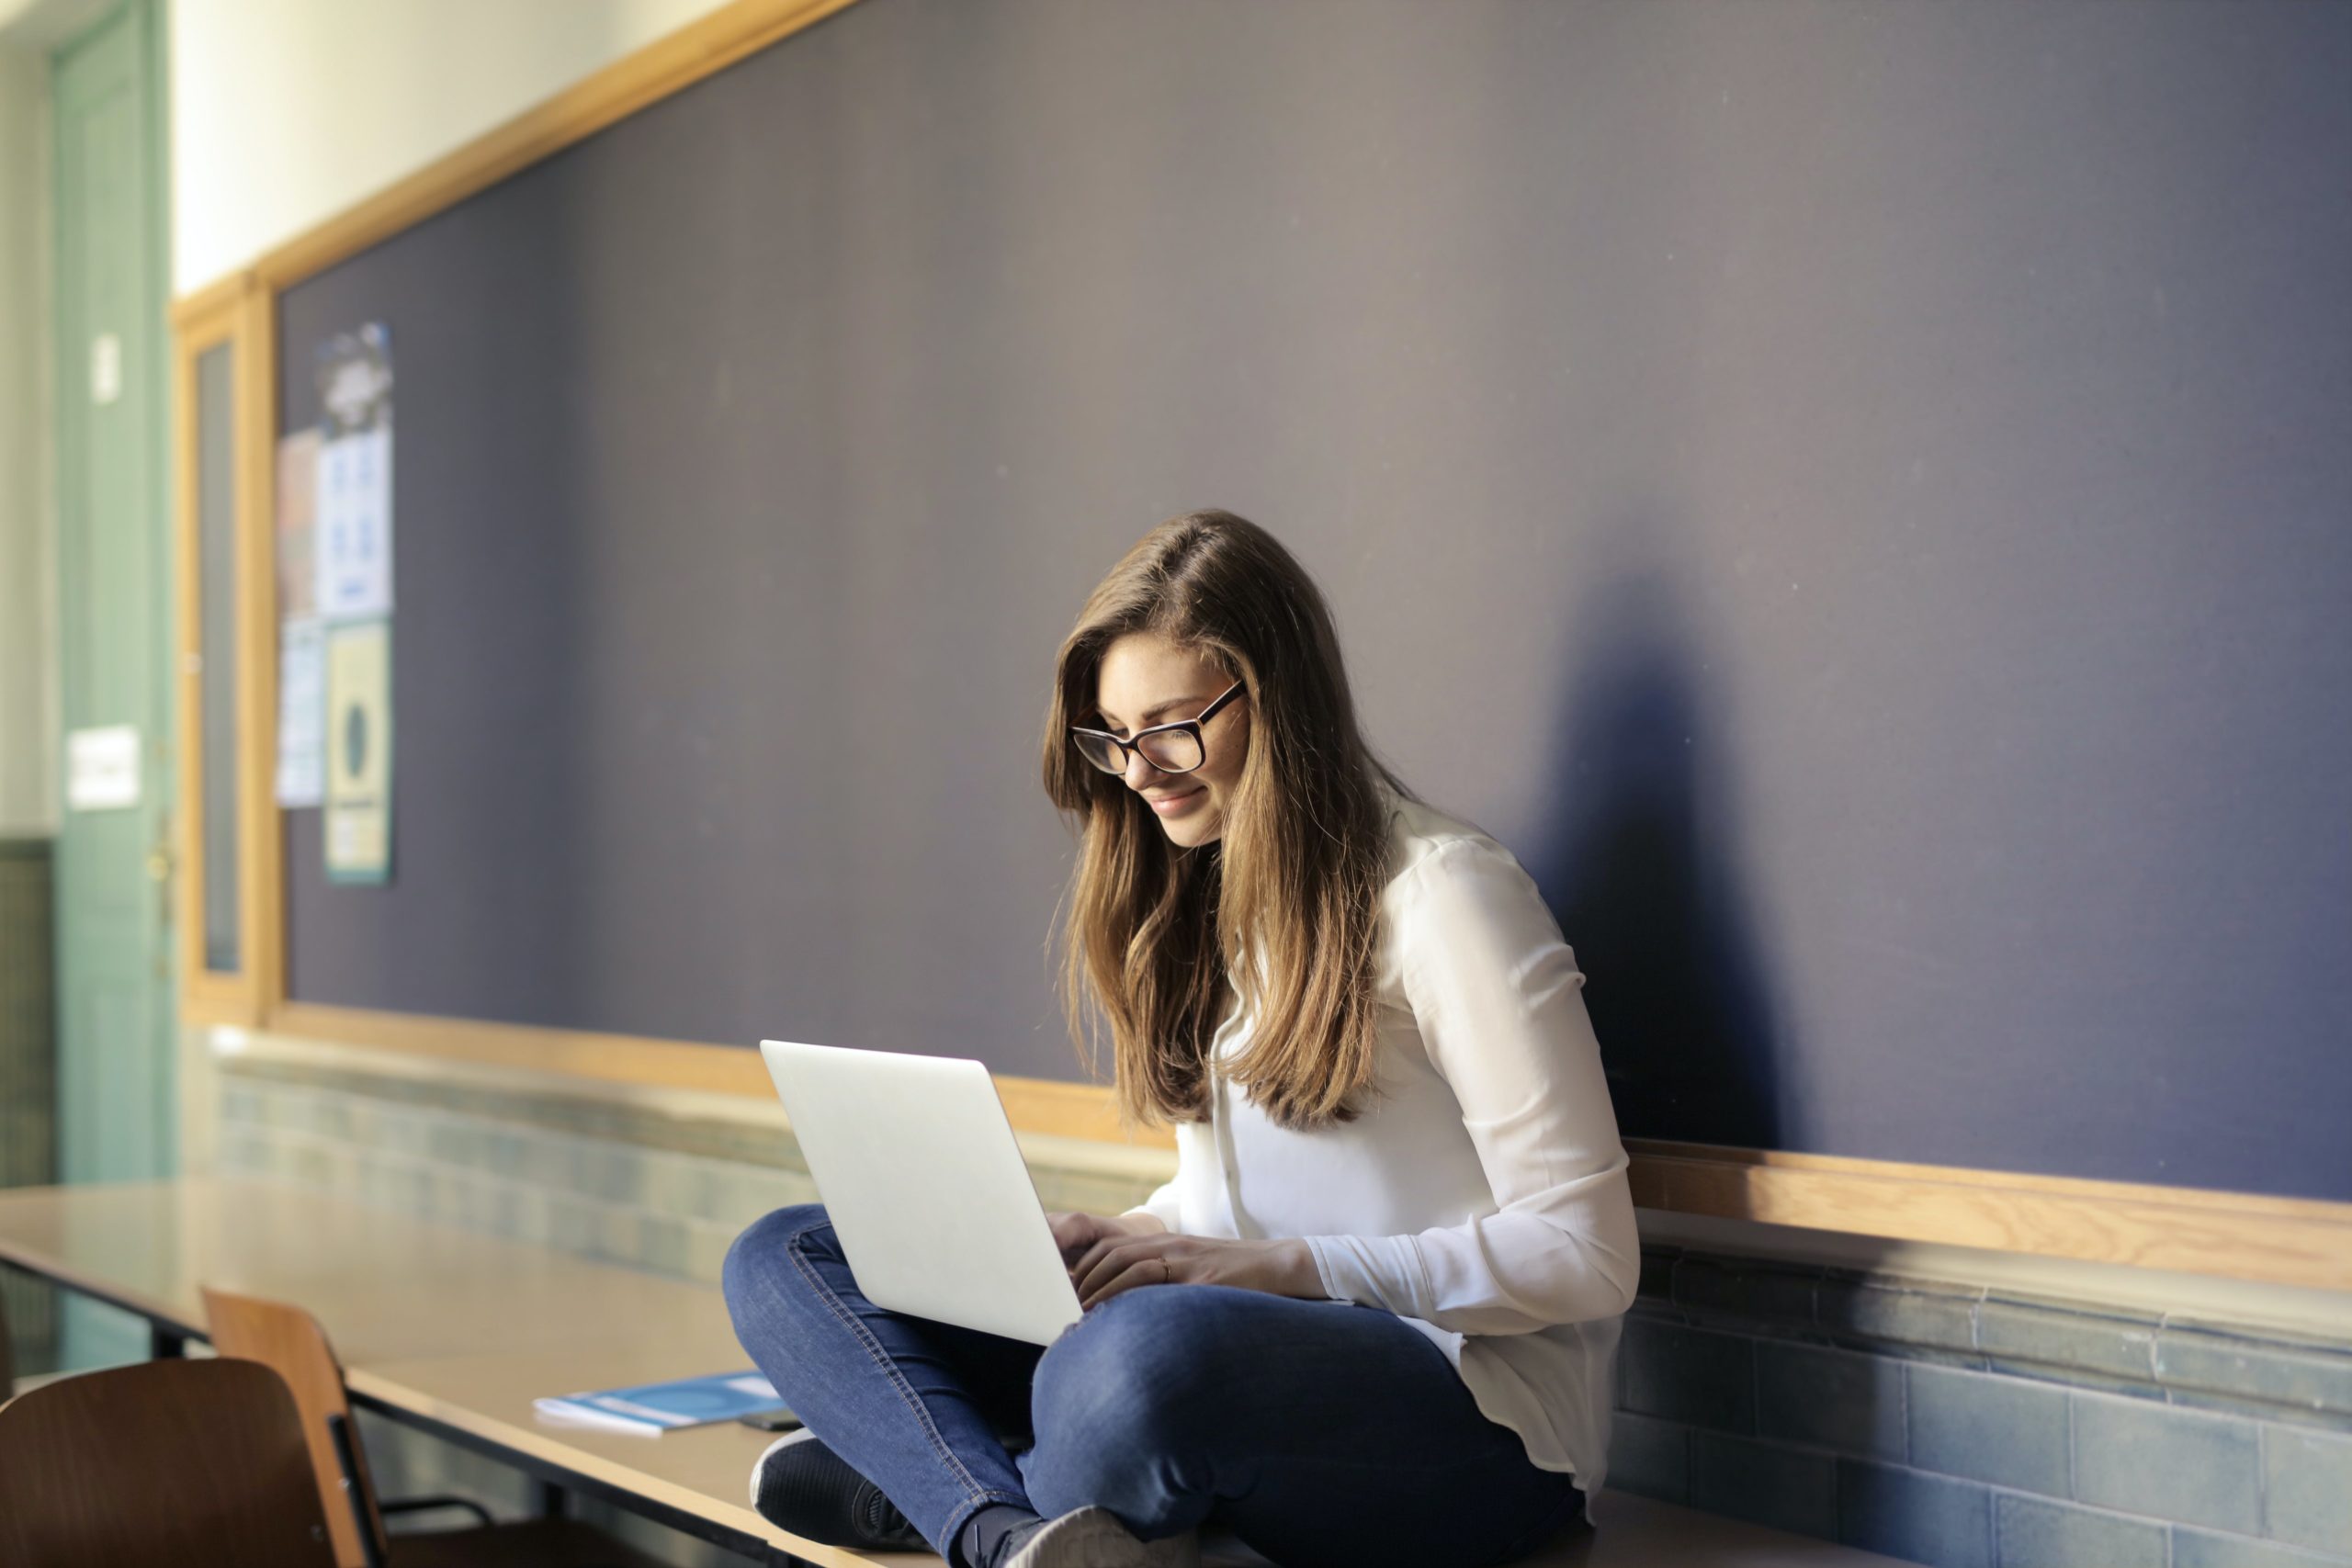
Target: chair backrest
289, 1341
165, 1461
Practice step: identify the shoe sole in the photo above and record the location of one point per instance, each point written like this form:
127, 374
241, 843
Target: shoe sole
1094, 1537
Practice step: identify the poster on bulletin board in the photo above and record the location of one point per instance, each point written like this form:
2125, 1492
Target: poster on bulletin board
353, 546
302, 675
359, 751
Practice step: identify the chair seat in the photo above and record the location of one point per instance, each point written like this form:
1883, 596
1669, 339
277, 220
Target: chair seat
527, 1543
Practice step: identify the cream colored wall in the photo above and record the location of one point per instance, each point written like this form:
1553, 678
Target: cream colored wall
28, 611
285, 112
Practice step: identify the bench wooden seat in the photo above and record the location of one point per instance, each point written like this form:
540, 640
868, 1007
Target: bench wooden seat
1638, 1532
1635, 1532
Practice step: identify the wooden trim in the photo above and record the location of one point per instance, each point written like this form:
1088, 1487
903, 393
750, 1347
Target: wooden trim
262, 839
197, 310
2241, 1236
212, 1008
1033, 1105
2079, 1188
1073, 1110
207, 995
671, 62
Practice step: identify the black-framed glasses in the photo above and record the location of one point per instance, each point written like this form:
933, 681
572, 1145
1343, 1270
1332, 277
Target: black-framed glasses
1171, 748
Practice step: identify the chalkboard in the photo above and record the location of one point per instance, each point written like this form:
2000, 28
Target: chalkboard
1856, 496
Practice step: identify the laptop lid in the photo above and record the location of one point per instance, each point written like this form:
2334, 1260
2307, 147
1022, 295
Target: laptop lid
919, 1171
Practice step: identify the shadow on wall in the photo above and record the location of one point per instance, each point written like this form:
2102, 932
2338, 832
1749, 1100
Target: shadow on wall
1639, 869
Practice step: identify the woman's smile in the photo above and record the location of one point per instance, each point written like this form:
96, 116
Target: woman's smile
1171, 805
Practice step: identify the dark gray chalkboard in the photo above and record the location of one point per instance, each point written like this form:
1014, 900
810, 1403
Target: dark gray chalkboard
1857, 496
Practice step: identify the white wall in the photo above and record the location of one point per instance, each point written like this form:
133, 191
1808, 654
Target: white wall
285, 112
27, 551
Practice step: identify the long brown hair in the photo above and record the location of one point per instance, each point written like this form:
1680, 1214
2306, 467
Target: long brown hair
1155, 934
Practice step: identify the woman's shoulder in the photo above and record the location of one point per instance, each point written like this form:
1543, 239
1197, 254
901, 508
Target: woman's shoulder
1425, 841
1453, 887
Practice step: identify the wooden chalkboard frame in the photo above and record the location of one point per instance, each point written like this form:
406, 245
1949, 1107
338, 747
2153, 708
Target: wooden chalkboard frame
2300, 1242
215, 319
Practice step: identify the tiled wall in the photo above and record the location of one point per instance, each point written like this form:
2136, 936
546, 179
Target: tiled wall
634, 1186
1922, 1420
1981, 1429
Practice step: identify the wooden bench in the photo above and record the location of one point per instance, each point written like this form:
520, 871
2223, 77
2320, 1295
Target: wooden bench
1634, 1532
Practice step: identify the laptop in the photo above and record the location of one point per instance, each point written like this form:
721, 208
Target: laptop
917, 1166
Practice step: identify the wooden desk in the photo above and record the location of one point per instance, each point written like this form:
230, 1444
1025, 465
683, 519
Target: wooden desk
483, 1402
456, 1333
446, 1305
386, 1287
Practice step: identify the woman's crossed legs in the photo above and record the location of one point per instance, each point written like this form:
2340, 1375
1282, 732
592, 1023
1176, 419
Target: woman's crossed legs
1318, 1432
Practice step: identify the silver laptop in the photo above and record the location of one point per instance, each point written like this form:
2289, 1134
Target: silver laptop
916, 1163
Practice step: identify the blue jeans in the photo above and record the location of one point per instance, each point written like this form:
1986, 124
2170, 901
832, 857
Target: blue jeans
1317, 1432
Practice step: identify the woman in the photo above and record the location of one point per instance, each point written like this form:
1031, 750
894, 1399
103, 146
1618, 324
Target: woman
1404, 1044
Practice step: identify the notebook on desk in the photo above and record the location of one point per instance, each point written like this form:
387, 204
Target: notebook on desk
656, 1407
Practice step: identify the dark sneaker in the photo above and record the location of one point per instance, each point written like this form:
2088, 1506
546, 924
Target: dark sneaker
801, 1485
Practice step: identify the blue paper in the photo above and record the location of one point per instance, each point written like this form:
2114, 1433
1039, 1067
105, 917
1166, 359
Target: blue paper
659, 1407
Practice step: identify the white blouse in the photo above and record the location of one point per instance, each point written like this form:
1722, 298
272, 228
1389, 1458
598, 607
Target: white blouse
1484, 1198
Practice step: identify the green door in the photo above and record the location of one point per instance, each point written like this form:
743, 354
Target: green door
114, 948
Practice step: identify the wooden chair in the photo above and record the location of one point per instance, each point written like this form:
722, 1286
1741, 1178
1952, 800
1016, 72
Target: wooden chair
167, 1462
290, 1341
